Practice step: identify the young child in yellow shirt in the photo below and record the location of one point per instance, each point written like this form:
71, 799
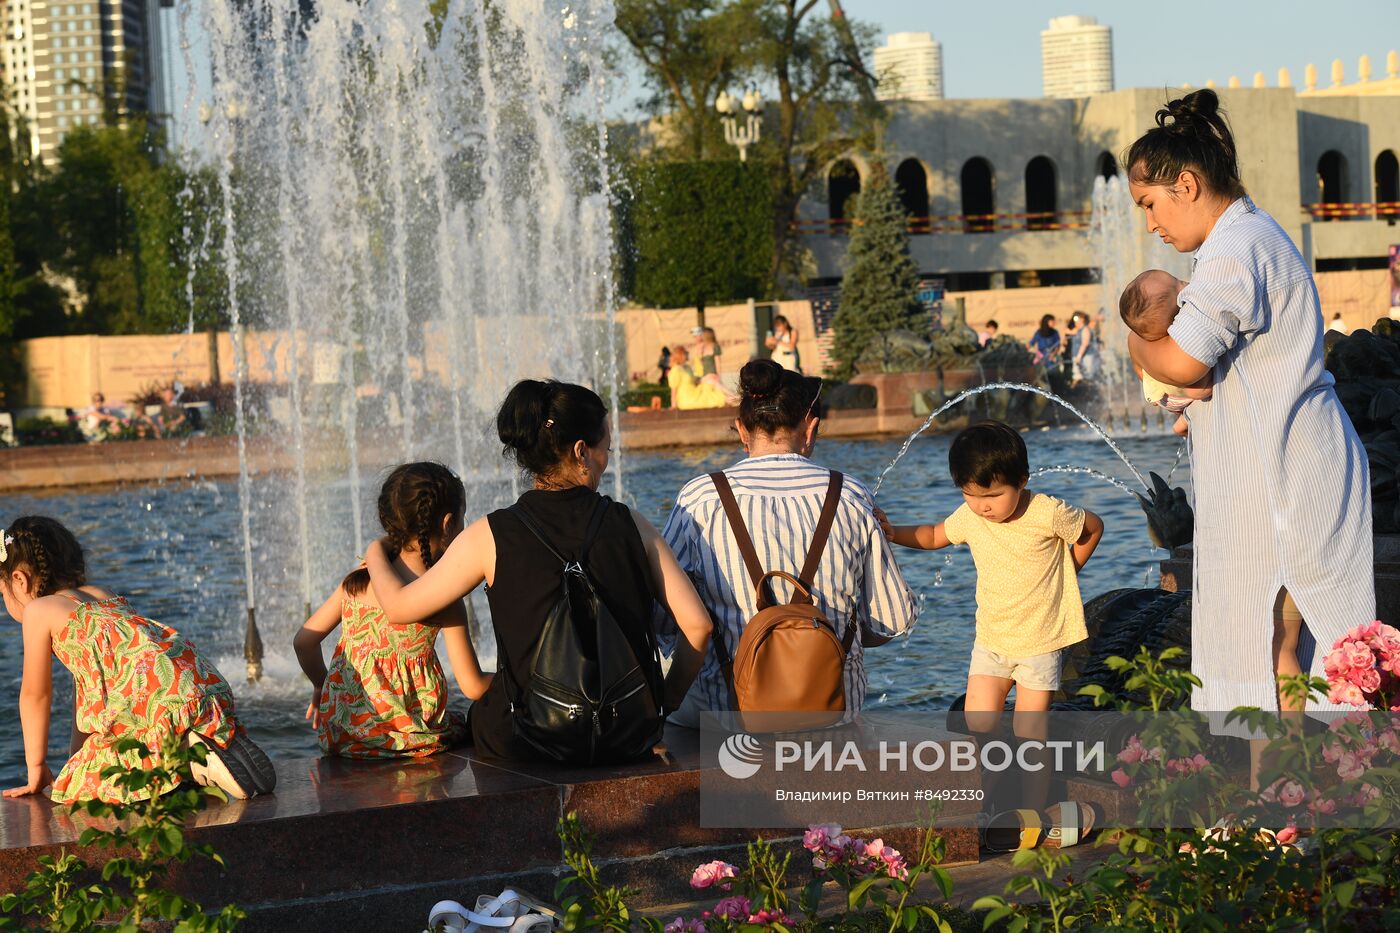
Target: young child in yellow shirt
1028, 548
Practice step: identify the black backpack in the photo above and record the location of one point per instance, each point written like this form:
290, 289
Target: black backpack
590, 698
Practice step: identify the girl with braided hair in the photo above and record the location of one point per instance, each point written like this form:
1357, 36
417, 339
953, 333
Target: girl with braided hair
134, 679
384, 695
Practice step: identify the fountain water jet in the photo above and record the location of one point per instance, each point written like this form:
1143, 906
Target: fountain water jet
415, 214
1019, 387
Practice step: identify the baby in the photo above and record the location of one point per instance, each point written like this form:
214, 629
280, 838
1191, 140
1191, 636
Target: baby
1148, 306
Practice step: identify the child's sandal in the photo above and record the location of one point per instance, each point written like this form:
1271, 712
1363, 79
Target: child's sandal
1070, 822
1001, 837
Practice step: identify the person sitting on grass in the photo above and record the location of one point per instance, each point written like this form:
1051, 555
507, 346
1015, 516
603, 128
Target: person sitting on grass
101, 421
171, 420
1028, 549
689, 392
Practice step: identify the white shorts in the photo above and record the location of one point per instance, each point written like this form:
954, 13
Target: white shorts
1034, 672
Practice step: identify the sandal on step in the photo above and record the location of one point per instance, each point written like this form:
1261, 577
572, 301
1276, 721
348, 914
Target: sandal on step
1070, 822
1002, 836
515, 911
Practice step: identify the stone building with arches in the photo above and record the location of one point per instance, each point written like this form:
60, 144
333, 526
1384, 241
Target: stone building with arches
1000, 192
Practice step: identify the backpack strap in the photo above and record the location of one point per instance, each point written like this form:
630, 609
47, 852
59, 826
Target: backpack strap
519, 512
595, 524
823, 532
741, 531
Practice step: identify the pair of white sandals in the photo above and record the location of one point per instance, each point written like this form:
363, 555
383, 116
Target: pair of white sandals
510, 910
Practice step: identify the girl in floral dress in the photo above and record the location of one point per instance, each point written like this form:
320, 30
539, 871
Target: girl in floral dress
384, 695
134, 678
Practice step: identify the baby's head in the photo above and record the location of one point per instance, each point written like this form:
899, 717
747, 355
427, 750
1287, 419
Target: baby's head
989, 464
40, 557
1149, 303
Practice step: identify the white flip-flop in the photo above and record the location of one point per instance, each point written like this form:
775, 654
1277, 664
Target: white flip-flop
509, 910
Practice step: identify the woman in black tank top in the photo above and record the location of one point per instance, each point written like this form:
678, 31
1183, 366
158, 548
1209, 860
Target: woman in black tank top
559, 434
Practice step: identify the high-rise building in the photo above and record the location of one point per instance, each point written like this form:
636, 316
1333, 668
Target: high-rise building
910, 67
1076, 57
65, 63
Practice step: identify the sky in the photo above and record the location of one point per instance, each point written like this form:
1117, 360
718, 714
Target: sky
992, 48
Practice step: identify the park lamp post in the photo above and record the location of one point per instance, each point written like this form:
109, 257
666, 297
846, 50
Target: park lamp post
728, 108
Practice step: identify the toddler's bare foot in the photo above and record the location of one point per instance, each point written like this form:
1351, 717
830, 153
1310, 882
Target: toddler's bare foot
1180, 427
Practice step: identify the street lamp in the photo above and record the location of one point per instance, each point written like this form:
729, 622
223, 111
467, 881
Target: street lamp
728, 108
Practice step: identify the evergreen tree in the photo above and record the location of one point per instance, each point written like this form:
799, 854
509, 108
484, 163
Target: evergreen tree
879, 293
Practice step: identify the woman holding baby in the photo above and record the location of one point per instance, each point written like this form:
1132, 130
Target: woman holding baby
1283, 562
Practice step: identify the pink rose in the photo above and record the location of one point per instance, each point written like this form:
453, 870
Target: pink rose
1325, 805
819, 835
733, 908
712, 873
1132, 752
1350, 766
1288, 835
1346, 692
681, 925
1368, 680
1359, 655
1120, 777
767, 915
1291, 794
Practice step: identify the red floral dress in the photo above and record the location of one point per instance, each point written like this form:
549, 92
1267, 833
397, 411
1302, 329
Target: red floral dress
136, 679
384, 695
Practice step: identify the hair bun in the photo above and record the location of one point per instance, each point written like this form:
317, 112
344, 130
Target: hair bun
529, 400
1189, 112
760, 378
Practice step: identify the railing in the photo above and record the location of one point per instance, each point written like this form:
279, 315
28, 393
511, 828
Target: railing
1362, 210
957, 223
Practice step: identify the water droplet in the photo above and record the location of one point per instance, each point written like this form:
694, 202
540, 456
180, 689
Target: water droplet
938, 578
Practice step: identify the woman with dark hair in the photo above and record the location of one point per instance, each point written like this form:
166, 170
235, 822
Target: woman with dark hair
1045, 343
559, 434
1283, 551
780, 493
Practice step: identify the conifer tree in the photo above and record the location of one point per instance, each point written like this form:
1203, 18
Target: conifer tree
879, 293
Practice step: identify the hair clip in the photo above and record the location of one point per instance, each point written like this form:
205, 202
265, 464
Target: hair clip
549, 422
5, 541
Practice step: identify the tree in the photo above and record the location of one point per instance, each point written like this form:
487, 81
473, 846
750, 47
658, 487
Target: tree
879, 292
700, 232
691, 49
821, 108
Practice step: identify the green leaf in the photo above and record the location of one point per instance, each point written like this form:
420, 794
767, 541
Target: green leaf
1344, 892
856, 897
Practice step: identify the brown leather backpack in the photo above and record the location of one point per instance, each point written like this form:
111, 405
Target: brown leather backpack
789, 659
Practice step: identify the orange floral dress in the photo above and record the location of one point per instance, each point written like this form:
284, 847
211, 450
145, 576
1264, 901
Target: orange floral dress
384, 695
135, 679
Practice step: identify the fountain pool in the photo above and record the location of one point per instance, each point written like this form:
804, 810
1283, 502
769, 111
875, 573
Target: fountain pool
176, 551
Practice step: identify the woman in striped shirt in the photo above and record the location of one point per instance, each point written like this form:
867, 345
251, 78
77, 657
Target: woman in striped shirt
780, 494
1283, 551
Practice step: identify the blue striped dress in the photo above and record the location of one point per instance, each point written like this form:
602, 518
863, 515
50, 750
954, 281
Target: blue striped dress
780, 497
1282, 487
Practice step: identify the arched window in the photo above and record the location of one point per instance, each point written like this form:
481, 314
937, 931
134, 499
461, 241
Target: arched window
842, 184
1387, 186
1040, 194
912, 182
1108, 165
978, 201
1331, 181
